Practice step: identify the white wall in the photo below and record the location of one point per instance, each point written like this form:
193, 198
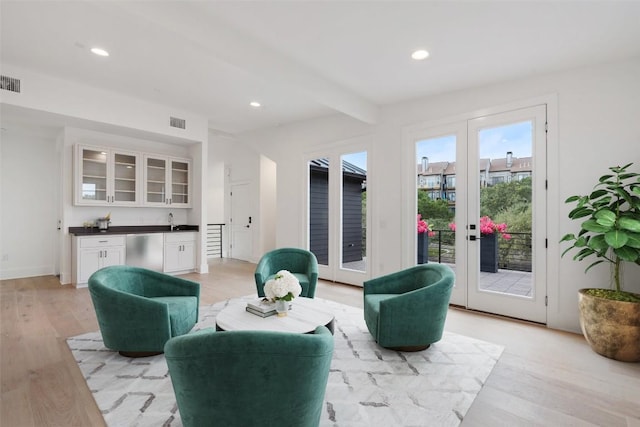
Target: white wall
597, 126
240, 164
45, 93
28, 205
268, 204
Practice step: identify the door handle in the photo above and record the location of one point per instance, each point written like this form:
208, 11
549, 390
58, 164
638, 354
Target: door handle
473, 237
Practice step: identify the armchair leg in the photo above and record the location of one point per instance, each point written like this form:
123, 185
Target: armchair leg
135, 354
410, 348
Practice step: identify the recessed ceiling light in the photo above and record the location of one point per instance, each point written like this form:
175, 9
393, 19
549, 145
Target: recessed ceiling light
100, 52
419, 55
255, 104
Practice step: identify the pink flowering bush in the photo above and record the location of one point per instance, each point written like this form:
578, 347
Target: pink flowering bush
425, 227
487, 226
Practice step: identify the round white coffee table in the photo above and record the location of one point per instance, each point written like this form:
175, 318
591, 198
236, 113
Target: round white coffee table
305, 316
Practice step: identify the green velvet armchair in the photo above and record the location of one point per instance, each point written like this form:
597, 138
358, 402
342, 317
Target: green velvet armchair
302, 263
139, 310
406, 310
250, 378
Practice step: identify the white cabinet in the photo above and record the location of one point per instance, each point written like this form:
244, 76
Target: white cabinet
106, 177
167, 181
91, 253
179, 251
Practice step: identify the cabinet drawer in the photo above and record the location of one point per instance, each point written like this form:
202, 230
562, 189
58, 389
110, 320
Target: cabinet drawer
179, 236
101, 241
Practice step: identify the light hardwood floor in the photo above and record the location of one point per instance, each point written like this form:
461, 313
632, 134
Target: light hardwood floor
544, 377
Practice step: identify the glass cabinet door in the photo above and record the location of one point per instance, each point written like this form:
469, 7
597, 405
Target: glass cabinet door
156, 181
179, 182
94, 175
124, 178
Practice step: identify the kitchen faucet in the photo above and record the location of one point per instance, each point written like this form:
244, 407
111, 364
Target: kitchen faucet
171, 221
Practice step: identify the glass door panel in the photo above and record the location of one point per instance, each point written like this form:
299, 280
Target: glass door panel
436, 171
94, 175
179, 182
436, 202
156, 175
354, 212
125, 184
318, 194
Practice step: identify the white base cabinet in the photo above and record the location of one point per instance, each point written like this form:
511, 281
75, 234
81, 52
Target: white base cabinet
179, 252
91, 253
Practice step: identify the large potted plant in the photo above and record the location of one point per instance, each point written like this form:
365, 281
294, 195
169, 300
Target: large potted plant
609, 233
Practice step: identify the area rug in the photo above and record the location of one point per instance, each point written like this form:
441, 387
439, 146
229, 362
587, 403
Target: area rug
368, 385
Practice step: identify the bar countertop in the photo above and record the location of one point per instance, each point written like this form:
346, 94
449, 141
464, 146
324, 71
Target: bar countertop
131, 229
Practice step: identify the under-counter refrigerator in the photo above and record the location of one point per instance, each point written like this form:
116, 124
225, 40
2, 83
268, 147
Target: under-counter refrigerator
145, 250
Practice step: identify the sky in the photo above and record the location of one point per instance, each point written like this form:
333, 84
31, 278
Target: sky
358, 159
494, 144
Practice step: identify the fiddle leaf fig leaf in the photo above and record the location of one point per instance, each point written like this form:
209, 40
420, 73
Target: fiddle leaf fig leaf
593, 225
627, 254
629, 224
580, 242
593, 264
606, 218
616, 238
583, 254
634, 240
598, 243
598, 193
568, 237
625, 176
580, 212
572, 199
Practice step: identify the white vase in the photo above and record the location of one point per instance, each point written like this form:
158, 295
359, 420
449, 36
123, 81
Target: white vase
282, 307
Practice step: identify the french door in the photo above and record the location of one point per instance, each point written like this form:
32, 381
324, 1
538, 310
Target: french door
481, 190
337, 221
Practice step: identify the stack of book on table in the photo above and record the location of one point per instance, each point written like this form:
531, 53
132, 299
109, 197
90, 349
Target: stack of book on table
261, 307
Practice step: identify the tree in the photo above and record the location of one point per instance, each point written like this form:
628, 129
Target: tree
436, 212
501, 197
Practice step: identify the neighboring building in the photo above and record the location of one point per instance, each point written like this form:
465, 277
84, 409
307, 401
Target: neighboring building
438, 179
354, 181
509, 169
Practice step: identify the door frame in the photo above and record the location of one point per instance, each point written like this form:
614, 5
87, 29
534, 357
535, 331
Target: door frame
414, 132
334, 152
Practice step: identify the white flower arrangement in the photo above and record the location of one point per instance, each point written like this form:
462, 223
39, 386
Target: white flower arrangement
284, 286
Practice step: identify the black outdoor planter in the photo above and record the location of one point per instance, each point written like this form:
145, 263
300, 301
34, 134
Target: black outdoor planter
489, 253
423, 248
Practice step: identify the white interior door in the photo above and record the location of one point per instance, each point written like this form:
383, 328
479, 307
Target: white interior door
241, 222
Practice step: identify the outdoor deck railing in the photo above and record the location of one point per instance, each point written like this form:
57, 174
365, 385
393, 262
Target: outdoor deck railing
513, 254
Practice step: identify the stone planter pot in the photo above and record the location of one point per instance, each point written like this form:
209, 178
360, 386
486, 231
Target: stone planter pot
489, 253
612, 328
423, 248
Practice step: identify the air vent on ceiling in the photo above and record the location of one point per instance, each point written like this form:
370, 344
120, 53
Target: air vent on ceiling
175, 122
10, 83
